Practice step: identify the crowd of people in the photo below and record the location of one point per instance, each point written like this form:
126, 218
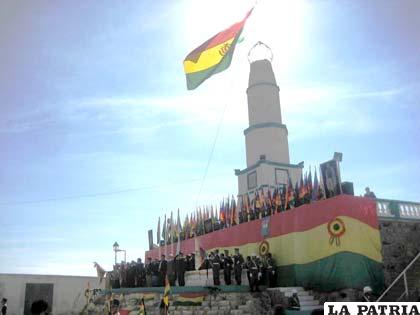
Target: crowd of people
259, 270
152, 273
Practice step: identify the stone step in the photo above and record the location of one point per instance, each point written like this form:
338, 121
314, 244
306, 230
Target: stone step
300, 293
311, 307
305, 297
284, 289
308, 303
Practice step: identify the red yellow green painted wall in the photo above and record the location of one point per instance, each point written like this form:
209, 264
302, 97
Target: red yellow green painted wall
327, 245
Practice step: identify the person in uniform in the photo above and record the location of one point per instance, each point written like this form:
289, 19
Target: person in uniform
227, 263
222, 261
123, 275
149, 272
205, 264
114, 279
215, 266
131, 274
270, 270
254, 272
181, 267
248, 270
238, 262
162, 269
188, 261
171, 272
140, 274
192, 262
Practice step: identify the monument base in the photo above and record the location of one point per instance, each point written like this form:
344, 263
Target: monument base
205, 278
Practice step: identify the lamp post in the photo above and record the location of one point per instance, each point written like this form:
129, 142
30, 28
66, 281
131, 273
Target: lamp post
117, 249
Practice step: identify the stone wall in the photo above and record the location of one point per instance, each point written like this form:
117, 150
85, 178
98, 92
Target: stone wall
400, 244
237, 303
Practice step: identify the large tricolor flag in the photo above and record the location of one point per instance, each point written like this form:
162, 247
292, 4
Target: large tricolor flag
213, 56
326, 245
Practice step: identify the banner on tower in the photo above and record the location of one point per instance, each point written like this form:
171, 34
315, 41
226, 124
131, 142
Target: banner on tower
330, 173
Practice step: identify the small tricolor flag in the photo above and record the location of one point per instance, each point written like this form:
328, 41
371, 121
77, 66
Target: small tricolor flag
166, 292
213, 56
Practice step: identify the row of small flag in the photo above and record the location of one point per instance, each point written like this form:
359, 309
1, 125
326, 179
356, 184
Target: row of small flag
247, 207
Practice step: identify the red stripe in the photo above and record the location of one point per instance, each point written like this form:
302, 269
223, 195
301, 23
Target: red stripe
218, 39
297, 220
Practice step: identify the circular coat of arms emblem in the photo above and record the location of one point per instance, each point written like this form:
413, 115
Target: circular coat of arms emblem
336, 229
264, 248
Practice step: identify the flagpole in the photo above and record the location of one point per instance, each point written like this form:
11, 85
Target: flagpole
166, 237
158, 240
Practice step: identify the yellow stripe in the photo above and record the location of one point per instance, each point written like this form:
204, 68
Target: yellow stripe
208, 58
314, 244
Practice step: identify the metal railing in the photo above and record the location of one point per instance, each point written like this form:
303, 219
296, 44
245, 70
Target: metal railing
402, 275
397, 209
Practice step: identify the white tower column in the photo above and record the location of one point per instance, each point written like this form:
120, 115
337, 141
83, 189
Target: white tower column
267, 148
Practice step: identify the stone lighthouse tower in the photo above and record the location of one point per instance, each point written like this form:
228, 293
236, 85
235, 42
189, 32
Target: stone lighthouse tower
267, 148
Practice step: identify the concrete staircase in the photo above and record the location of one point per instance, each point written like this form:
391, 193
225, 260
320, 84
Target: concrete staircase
307, 301
396, 290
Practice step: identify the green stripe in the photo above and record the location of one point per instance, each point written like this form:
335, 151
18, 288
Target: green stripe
194, 79
336, 272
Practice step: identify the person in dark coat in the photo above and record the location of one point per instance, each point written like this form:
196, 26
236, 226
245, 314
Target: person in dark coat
131, 274
171, 272
205, 264
149, 271
270, 271
140, 274
248, 271
188, 261
162, 269
254, 272
181, 267
192, 262
123, 275
238, 262
155, 273
3, 306
215, 265
227, 268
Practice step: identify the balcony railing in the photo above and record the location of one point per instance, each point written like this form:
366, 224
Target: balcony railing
396, 209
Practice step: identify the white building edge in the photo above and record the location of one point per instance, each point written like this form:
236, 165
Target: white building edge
64, 294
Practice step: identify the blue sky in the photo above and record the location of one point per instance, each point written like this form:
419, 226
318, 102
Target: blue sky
93, 100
